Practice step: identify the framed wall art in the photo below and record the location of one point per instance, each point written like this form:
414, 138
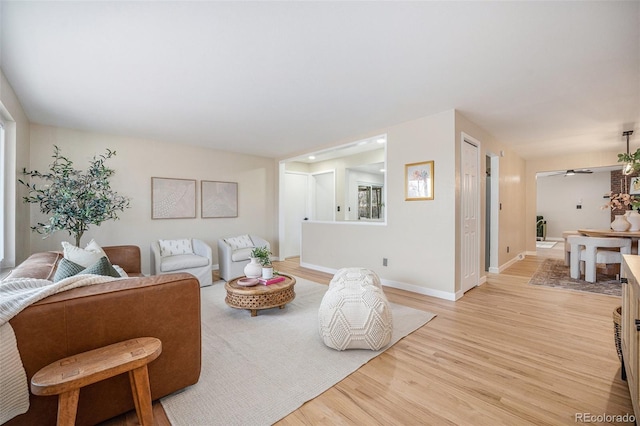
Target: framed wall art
418, 181
173, 198
219, 199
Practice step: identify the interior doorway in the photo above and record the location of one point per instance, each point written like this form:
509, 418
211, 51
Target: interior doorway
296, 185
323, 196
492, 211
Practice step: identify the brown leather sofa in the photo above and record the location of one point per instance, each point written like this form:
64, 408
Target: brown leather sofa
85, 318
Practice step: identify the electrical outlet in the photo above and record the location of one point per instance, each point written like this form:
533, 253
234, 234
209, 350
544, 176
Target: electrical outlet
384, 261
507, 249
579, 206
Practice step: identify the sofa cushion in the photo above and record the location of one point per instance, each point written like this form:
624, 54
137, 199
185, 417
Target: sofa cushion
182, 261
241, 254
242, 241
83, 256
67, 268
175, 247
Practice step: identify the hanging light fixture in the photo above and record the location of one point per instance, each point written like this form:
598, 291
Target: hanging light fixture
629, 166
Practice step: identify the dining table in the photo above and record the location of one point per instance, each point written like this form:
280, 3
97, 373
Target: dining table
608, 233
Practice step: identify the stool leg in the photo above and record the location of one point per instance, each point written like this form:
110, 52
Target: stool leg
67, 407
141, 391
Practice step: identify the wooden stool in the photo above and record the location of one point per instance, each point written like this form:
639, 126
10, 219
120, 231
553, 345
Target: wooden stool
66, 376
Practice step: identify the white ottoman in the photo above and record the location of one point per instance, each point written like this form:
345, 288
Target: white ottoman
354, 312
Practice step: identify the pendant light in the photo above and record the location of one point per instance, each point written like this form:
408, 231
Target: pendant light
629, 167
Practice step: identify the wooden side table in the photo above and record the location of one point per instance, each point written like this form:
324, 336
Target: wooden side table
66, 376
260, 296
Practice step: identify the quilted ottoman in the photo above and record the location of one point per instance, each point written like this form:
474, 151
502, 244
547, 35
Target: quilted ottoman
354, 312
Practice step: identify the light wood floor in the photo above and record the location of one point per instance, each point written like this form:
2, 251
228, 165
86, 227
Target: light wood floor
505, 354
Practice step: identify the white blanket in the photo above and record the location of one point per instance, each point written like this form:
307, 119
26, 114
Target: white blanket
15, 295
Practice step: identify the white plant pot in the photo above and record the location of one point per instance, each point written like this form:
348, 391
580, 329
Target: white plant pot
253, 269
267, 272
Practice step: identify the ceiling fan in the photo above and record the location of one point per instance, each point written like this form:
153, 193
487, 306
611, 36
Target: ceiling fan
572, 172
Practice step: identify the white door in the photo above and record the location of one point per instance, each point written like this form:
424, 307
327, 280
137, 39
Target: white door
470, 196
295, 211
323, 196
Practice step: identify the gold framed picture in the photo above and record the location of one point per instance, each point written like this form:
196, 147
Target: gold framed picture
418, 181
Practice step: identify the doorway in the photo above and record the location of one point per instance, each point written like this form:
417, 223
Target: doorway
323, 196
295, 211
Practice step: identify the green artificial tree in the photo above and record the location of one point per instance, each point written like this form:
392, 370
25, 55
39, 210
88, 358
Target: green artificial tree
74, 199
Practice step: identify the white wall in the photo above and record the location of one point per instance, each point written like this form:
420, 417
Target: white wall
138, 160
558, 197
419, 238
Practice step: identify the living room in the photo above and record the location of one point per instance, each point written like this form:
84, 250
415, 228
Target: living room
422, 240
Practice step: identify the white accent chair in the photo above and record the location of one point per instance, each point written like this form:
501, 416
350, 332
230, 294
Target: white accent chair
185, 255
234, 254
587, 252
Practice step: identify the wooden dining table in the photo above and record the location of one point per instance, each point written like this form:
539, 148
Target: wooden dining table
608, 233
634, 235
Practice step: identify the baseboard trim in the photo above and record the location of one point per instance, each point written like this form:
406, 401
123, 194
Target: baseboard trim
518, 258
397, 284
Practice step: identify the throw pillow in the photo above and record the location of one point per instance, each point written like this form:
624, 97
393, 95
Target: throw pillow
101, 267
67, 268
243, 241
85, 257
121, 271
175, 247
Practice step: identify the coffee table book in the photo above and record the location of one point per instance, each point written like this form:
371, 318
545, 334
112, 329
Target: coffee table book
267, 281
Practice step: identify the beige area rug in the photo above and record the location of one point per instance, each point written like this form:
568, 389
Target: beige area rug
256, 370
554, 273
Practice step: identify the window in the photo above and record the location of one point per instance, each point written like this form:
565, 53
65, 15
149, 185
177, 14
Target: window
2, 190
369, 202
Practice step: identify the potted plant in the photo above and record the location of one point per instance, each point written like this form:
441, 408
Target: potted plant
263, 254
72, 198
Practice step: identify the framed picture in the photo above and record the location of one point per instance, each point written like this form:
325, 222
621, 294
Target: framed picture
418, 181
219, 199
634, 186
173, 198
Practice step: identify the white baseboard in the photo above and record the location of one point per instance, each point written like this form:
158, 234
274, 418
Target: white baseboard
510, 262
397, 284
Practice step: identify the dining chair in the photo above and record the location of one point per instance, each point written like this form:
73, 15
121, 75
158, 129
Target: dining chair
594, 250
567, 246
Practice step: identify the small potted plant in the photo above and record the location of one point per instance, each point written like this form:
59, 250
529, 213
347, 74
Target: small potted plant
263, 254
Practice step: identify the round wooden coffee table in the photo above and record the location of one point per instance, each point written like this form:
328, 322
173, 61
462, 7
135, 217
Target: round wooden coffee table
260, 296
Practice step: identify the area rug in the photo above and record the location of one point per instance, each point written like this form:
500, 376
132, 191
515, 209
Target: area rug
256, 370
545, 244
554, 273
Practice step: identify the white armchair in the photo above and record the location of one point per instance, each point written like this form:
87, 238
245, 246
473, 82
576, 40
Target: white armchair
183, 255
234, 253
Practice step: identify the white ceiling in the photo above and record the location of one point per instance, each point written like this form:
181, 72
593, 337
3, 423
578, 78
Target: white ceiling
276, 78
